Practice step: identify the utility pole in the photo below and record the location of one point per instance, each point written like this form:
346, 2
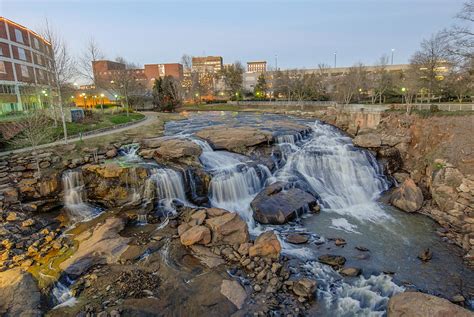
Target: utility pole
335, 59
393, 50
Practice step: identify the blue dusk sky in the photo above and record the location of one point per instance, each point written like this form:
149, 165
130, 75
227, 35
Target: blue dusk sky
301, 33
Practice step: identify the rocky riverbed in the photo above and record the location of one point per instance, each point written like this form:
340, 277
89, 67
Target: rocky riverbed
228, 214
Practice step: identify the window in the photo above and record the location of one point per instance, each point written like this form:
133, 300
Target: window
41, 74
24, 71
37, 45
22, 54
1, 51
3, 70
19, 36
40, 59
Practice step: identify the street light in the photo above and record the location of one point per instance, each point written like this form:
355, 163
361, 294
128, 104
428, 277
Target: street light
393, 50
102, 102
335, 59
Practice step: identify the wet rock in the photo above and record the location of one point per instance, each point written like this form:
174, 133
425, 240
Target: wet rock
198, 217
340, 242
426, 255
274, 205
351, 271
304, 287
363, 249
244, 248
110, 170
196, 234
407, 197
228, 228
19, 294
103, 244
332, 260
266, 245
297, 238
420, 305
234, 139
28, 223
458, 299
234, 292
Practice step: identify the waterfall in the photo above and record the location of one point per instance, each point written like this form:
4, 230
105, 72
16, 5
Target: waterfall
75, 198
169, 187
62, 294
129, 152
346, 179
234, 183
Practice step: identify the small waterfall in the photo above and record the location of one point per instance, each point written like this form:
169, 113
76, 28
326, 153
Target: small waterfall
169, 187
129, 152
75, 197
234, 184
62, 294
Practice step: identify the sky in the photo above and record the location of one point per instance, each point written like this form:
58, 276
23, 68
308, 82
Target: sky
298, 34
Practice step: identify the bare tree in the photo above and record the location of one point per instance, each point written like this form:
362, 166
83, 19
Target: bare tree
427, 62
379, 80
409, 85
61, 66
125, 83
348, 85
35, 129
460, 36
128, 65
91, 54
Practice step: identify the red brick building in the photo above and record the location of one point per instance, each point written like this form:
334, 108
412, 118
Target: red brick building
25, 68
106, 71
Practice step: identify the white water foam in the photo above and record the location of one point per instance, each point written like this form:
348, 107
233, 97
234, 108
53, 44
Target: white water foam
344, 225
75, 198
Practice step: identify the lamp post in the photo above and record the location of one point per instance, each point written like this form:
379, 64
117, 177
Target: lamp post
335, 59
393, 50
102, 102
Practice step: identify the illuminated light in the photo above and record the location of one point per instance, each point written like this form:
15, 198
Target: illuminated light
102, 95
72, 97
111, 81
26, 29
46, 95
43, 91
404, 89
115, 96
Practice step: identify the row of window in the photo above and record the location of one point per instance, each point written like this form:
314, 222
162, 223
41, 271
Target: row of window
22, 56
19, 38
24, 71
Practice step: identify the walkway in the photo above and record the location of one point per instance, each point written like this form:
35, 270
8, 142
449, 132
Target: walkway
150, 118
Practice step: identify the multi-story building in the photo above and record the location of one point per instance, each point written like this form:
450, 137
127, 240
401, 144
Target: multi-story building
106, 71
207, 64
257, 67
25, 68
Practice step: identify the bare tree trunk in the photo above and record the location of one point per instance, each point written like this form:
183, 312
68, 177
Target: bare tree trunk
63, 115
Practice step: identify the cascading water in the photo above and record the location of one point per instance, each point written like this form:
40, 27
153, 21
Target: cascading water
75, 197
129, 152
347, 180
234, 183
62, 294
169, 187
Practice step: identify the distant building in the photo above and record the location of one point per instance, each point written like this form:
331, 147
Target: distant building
207, 64
25, 63
257, 67
105, 71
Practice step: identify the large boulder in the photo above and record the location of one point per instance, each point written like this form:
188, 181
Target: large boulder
228, 228
175, 149
234, 139
407, 197
416, 304
19, 294
304, 287
275, 205
266, 245
101, 245
369, 140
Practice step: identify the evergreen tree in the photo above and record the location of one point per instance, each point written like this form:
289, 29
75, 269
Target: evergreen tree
166, 94
260, 90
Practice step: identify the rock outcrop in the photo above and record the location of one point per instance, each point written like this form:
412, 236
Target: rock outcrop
234, 292
170, 149
408, 197
19, 294
416, 304
275, 205
101, 245
234, 139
